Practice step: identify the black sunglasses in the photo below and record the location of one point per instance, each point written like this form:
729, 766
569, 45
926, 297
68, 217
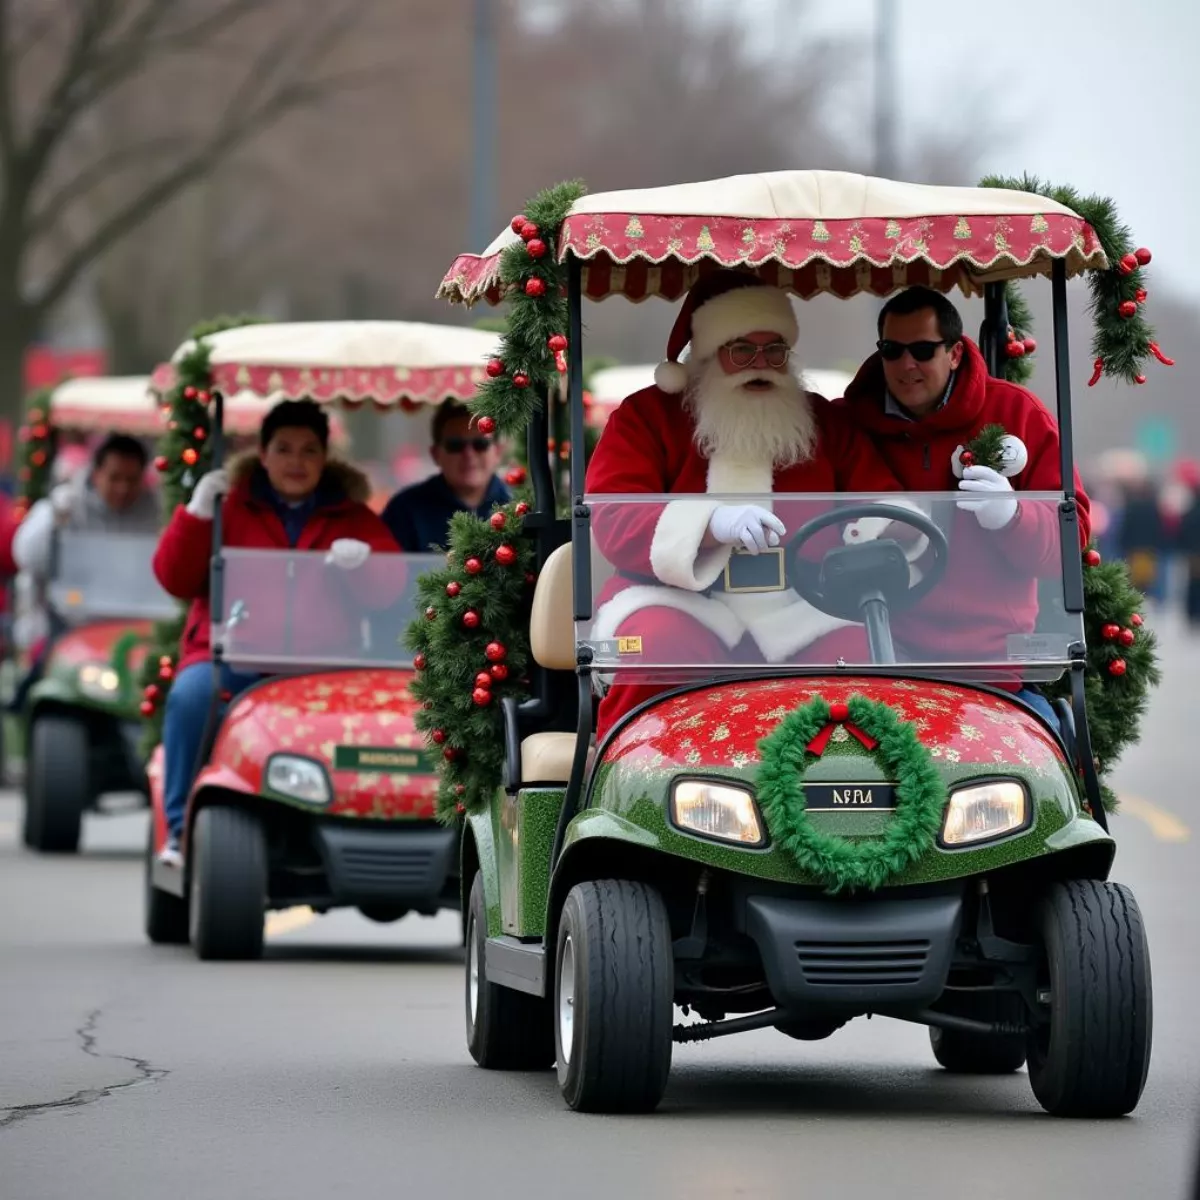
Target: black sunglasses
456, 445
921, 351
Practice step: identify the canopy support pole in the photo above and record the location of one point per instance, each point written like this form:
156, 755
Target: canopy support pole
993, 333
216, 588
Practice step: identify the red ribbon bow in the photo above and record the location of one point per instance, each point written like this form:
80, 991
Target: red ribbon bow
839, 714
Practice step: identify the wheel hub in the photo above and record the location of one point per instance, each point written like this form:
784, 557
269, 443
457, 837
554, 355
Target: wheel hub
472, 971
566, 999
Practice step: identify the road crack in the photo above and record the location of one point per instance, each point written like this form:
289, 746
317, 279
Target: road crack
86, 1033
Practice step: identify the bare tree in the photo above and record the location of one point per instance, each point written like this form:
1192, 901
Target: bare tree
76, 180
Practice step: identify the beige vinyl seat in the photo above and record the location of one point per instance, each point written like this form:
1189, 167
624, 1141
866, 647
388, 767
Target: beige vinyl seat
546, 757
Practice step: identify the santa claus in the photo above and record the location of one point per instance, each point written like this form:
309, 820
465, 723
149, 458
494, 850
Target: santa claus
705, 580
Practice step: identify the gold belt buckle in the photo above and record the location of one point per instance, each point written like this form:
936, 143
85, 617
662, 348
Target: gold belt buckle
760, 559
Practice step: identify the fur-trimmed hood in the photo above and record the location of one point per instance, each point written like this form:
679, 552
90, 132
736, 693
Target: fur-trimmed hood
347, 478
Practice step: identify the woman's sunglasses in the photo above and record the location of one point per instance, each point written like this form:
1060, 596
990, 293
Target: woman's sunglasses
921, 351
456, 445
743, 354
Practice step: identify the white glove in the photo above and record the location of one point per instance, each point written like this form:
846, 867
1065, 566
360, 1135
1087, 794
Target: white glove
62, 500
865, 529
993, 503
204, 496
348, 553
753, 527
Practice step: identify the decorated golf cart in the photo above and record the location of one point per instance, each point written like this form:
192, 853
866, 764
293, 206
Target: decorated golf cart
763, 843
314, 787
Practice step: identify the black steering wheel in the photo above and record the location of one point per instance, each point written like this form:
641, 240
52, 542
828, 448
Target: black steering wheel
868, 580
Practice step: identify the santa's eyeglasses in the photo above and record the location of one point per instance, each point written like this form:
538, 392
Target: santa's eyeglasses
744, 354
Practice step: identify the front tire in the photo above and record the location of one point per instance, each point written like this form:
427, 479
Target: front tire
58, 784
228, 887
506, 1030
613, 997
1091, 1058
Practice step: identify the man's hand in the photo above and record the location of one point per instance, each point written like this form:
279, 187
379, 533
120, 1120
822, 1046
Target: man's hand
747, 525
348, 553
62, 501
993, 501
204, 496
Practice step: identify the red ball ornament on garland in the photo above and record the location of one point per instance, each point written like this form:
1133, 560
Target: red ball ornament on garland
38, 458
495, 368
483, 680
431, 613
530, 578
522, 508
1127, 309
486, 425
199, 434
160, 463
1015, 349
515, 477
438, 736
499, 672
1136, 620
165, 660
1030, 345
536, 248
146, 708
190, 393
557, 342
520, 380
1139, 379
166, 674
1128, 264
1110, 632
1127, 637
190, 456
482, 696
518, 223
839, 712
528, 231
453, 588
535, 287
470, 619
152, 691
472, 566
1092, 558
1143, 256
497, 520
495, 651
450, 754
419, 661
1140, 295
40, 431
506, 555
1117, 667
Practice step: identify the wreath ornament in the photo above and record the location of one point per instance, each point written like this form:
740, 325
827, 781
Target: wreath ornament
845, 863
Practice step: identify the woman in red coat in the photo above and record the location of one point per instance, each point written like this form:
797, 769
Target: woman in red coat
288, 496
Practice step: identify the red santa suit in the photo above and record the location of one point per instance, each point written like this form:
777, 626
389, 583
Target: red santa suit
668, 588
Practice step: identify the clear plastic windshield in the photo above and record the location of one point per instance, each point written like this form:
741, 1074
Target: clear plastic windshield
106, 576
937, 583
287, 611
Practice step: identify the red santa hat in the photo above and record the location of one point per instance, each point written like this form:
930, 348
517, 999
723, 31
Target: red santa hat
721, 307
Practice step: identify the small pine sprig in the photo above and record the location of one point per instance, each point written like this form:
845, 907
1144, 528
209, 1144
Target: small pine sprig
471, 648
986, 448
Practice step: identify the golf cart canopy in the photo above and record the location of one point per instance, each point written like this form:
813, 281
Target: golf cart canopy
805, 231
98, 404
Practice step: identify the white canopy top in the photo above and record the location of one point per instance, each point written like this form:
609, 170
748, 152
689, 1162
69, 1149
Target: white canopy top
103, 394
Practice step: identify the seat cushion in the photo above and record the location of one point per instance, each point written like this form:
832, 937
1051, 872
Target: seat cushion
546, 758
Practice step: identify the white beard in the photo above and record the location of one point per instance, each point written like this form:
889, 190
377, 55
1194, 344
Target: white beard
775, 427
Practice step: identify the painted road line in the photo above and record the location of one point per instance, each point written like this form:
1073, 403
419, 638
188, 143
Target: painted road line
1164, 825
288, 920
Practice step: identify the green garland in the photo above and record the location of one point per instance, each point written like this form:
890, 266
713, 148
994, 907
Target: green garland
1123, 341
36, 437
986, 447
471, 645
841, 863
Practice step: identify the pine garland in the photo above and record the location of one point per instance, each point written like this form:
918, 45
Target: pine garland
533, 347
1123, 340
1020, 347
471, 645
36, 437
986, 447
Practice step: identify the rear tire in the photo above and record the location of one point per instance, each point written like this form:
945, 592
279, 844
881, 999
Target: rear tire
1091, 1058
228, 886
166, 916
977, 1053
506, 1030
58, 784
613, 997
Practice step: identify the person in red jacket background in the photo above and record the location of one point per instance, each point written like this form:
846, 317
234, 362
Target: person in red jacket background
922, 396
288, 496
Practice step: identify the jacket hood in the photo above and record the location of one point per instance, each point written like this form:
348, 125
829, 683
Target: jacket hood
865, 395
348, 479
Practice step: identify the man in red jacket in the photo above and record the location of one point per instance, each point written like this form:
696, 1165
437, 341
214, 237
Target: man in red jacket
922, 397
288, 496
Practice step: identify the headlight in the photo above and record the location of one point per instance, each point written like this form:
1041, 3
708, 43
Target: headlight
298, 778
985, 811
101, 683
716, 810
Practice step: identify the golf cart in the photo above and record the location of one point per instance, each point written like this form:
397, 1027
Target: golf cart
313, 786
768, 845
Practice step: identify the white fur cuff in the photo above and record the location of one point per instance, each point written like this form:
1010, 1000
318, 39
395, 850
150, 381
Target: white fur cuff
675, 555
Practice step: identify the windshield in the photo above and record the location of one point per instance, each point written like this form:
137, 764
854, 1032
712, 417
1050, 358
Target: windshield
106, 576
294, 610
931, 591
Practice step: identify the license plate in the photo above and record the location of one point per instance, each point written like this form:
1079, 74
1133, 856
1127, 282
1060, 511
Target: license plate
391, 760
849, 797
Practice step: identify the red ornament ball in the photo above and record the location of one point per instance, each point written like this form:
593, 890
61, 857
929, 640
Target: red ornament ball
486, 424
522, 508
1127, 637
497, 520
530, 578
557, 343
1015, 349
40, 431
506, 555
1110, 632
1142, 255
419, 661
839, 712
431, 613
1117, 667
536, 248
528, 231
453, 588
499, 672
1128, 264
438, 736
160, 463
483, 680
495, 651
166, 674
146, 708
515, 477
38, 458
518, 222
472, 566
1092, 558
495, 367
1030, 345
1140, 295
1136, 620
460, 789
152, 692
535, 287
470, 619
520, 380
450, 754
190, 393
1127, 308
190, 456
482, 696
967, 458
165, 660
1139, 379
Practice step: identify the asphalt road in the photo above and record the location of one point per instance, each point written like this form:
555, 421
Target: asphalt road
338, 1064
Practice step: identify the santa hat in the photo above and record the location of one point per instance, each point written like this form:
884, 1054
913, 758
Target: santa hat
721, 307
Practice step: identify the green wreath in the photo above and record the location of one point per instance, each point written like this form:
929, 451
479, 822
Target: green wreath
839, 862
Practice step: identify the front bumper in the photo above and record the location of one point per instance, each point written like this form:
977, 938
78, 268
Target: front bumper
391, 865
852, 956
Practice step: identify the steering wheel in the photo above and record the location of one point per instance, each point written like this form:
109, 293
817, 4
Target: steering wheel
857, 578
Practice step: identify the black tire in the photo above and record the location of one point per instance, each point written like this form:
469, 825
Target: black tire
506, 1030
227, 898
166, 916
976, 1053
1090, 1059
613, 1032
58, 784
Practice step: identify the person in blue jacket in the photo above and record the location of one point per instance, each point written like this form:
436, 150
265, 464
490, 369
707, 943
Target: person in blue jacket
419, 516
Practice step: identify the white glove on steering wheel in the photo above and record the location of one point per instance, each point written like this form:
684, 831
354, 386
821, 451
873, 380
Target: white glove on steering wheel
754, 528
865, 529
204, 496
993, 504
348, 553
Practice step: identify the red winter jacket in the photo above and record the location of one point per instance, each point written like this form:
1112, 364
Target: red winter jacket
989, 590
182, 559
